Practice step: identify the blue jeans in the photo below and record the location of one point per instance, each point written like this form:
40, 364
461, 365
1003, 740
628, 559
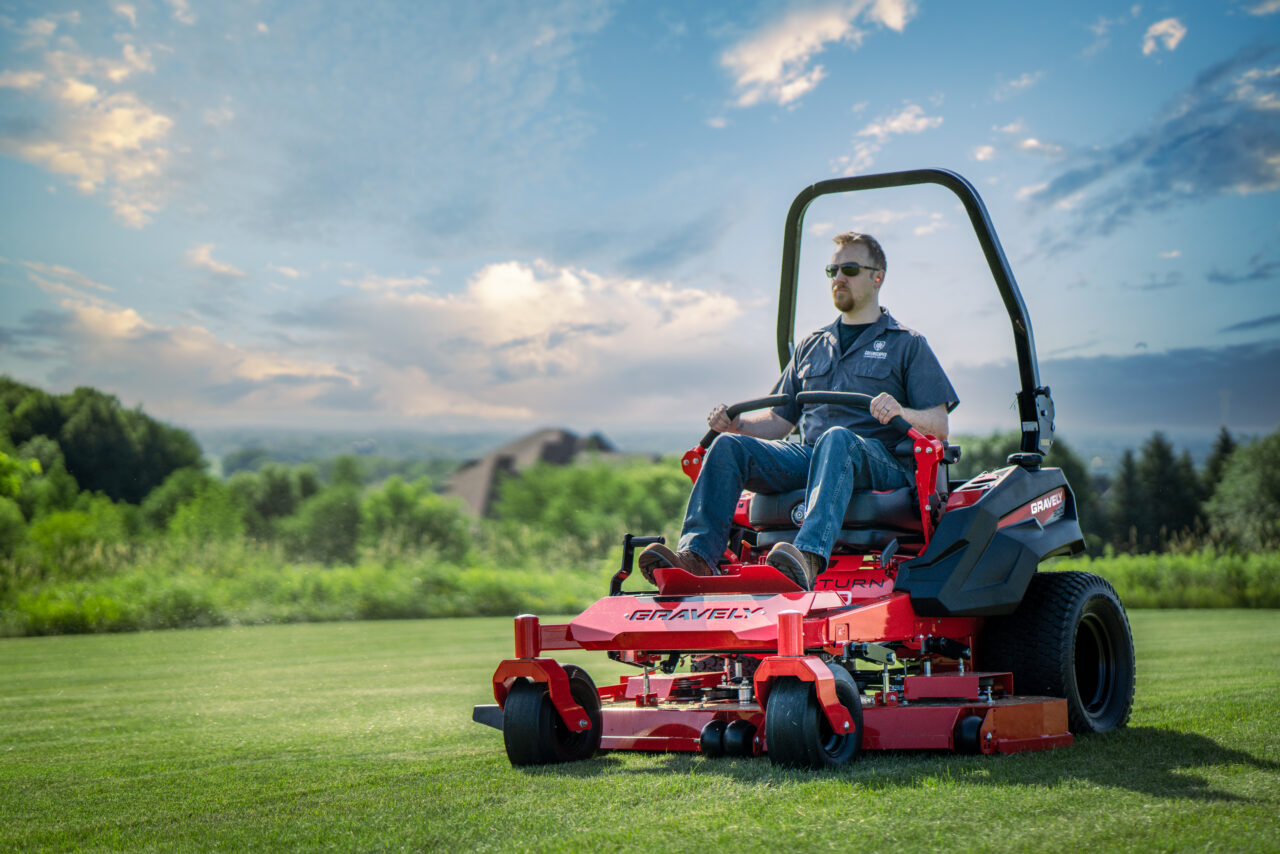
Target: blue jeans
840, 462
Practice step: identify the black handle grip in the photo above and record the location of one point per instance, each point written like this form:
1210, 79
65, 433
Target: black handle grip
851, 399
746, 406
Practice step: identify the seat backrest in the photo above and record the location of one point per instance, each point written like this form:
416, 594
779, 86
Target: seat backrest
871, 520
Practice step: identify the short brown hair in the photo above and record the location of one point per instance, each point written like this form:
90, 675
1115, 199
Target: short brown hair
873, 246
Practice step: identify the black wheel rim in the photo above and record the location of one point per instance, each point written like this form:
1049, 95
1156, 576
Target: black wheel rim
1095, 665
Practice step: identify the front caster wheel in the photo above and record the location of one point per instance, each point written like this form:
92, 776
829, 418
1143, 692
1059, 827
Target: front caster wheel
533, 731
797, 731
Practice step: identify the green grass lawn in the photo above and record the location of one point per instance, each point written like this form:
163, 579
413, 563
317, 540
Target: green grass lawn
357, 736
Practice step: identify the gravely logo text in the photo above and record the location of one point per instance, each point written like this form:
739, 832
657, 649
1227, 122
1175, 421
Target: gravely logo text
694, 614
1042, 504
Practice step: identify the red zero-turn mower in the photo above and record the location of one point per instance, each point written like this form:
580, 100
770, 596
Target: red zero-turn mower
930, 628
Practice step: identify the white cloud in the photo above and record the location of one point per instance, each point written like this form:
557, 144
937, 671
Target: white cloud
185, 371
287, 272
1013, 87
717, 122
77, 92
263, 28
202, 257
513, 344
113, 141
1266, 7
20, 79
936, 222
1175, 253
910, 119
127, 11
1167, 34
1032, 145
1029, 191
64, 282
182, 11
385, 284
219, 116
984, 152
1012, 127
522, 338
774, 63
1247, 88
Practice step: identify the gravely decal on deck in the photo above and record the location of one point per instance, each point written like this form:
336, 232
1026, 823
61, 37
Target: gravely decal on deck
694, 614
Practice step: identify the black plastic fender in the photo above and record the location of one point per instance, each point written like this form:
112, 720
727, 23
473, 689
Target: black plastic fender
975, 568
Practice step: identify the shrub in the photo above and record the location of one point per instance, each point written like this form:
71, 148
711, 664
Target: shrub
212, 515
409, 517
13, 527
326, 526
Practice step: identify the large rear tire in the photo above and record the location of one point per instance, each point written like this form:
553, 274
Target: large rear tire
1069, 638
797, 731
532, 729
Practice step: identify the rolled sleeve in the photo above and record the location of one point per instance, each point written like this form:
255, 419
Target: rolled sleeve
786, 384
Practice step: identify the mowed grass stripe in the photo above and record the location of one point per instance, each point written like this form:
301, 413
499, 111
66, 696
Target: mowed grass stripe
357, 736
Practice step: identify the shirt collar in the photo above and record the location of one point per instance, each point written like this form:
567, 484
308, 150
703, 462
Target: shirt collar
871, 333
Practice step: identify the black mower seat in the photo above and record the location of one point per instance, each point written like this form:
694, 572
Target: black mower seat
894, 509
871, 521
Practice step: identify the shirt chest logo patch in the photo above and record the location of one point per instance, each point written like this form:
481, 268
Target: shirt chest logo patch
876, 351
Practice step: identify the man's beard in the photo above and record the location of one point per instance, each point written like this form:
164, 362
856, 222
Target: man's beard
842, 299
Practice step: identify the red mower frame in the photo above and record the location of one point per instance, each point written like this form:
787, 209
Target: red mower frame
915, 636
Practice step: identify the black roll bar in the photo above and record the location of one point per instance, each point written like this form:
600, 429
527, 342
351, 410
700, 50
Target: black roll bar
1035, 404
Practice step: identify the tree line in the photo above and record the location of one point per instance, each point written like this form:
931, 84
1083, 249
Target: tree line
81, 476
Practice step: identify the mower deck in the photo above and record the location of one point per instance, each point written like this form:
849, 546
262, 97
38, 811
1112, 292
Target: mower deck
661, 721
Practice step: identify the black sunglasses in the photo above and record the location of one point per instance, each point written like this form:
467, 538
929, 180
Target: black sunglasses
850, 270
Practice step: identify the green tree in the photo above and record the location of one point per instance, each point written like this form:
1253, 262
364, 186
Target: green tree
326, 526
13, 529
1127, 506
55, 488
1171, 491
410, 516
121, 453
1245, 508
1223, 447
273, 493
212, 515
179, 488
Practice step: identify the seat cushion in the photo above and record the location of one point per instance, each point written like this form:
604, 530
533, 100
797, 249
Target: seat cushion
895, 510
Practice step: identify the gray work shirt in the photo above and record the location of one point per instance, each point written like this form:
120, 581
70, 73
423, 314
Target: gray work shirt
886, 357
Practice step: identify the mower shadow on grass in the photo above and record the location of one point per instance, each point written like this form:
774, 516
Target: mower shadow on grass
1146, 760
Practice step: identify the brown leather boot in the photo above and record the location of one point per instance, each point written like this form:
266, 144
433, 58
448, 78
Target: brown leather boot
657, 555
800, 567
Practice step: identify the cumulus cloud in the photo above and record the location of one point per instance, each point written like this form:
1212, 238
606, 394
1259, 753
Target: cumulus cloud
287, 272
776, 63
1266, 7
1167, 34
515, 339
1031, 145
21, 79
868, 141
181, 11
202, 257
1219, 136
1013, 87
99, 139
127, 11
185, 371
984, 152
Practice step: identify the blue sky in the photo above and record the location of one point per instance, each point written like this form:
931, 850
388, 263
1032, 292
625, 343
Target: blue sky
512, 215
